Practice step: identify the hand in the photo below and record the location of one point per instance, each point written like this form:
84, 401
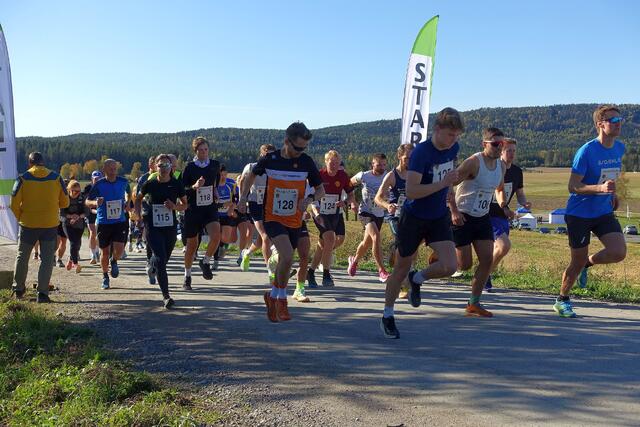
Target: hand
392, 208
340, 204
509, 213
100, 201
608, 187
169, 204
527, 205
457, 218
450, 178
199, 183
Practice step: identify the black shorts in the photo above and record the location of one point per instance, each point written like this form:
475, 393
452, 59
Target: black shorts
413, 230
474, 228
579, 229
226, 220
366, 218
195, 219
333, 222
110, 233
242, 217
91, 218
60, 231
274, 229
256, 211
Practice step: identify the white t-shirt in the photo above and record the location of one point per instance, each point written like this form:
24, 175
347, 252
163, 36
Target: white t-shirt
256, 193
370, 185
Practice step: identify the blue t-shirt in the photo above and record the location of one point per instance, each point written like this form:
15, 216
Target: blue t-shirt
226, 192
110, 212
597, 164
433, 164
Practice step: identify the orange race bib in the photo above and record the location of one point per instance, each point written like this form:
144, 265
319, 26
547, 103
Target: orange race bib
283, 193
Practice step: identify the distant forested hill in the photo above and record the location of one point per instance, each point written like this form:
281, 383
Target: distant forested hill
547, 136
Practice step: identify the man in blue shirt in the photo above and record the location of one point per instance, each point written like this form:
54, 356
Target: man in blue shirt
110, 196
596, 167
425, 215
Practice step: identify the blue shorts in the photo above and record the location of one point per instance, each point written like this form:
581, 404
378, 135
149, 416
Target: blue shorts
500, 226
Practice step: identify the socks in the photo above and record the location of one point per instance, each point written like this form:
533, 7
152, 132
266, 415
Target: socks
206, 259
282, 293
419, 277
388, 312
474, 300
562, 298
300, 285
187, 272
274, 291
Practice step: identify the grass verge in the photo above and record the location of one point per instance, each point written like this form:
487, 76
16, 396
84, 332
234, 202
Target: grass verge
53, 373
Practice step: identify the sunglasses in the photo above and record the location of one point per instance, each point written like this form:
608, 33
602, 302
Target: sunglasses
298, 149
613, 120
164, 165
494, 144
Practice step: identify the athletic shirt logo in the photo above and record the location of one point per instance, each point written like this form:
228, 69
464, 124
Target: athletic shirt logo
337, 183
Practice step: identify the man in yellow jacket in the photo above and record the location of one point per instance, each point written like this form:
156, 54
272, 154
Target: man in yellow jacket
36, 200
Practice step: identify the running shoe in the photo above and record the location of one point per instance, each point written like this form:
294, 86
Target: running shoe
187, 283
564, 309
206, 269
60, 263
383, 275
215, 265
239, 259
388, 327
105, 283
94, 260
168, 303
115, 270
246, 261
282, 310
488, 287
414, 296
327, 280
477, 310
300, 295
457, 274
582, 278
43, 298
78, 268
353, 266
69, 265
271, 306
311, 279
151, 273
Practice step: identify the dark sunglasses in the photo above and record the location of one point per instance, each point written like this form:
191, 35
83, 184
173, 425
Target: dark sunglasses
494, 144
298, 149
164, 165
613, 120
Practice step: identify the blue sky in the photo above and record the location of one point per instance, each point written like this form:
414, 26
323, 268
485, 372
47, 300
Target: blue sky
165, 66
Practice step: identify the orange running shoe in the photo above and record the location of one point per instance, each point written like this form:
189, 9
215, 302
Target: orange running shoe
69, 265
283, 310
477, 310
271, 306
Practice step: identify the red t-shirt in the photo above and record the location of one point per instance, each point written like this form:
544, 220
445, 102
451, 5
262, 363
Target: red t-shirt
335, 184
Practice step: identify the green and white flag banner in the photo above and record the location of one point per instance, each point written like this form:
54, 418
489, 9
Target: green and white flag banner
8, 165
417, 89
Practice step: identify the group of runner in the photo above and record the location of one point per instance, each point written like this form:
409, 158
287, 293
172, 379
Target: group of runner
428, 198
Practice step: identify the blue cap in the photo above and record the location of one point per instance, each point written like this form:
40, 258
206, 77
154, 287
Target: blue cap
96, 174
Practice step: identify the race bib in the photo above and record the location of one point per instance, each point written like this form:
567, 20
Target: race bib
441, 170
482, 201
609, 174
260, 194
224, 207
284, 201
114, 209
162, 216
400, 204
328, 204
204, 196
508, 188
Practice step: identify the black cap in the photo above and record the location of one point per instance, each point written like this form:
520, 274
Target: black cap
36, 158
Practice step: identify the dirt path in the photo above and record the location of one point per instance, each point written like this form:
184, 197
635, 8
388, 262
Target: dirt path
331, 366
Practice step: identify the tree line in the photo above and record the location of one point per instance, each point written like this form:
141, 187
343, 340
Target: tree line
547, 136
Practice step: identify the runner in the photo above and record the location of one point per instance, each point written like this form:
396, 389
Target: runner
303, 248
592, 202
73, 224
425, 215
91, 219
110, 196
152, 170
288, 171
255, 205
500, 216
200, 178
244, 226
165, 195
371, 215
327, 215
227, 199
478, 177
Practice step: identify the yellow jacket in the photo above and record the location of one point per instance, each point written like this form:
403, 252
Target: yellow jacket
37, 197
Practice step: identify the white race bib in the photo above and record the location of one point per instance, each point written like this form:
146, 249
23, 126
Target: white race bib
328, 204
481, 202
609, 174
508, 188
114, 209
400, 204
260, 194
162, 216
284, 201
224, 207
440, 171
204, 196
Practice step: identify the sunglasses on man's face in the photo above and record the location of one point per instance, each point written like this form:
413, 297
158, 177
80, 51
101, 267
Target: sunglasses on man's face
494, 144
295, 147
614, 120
